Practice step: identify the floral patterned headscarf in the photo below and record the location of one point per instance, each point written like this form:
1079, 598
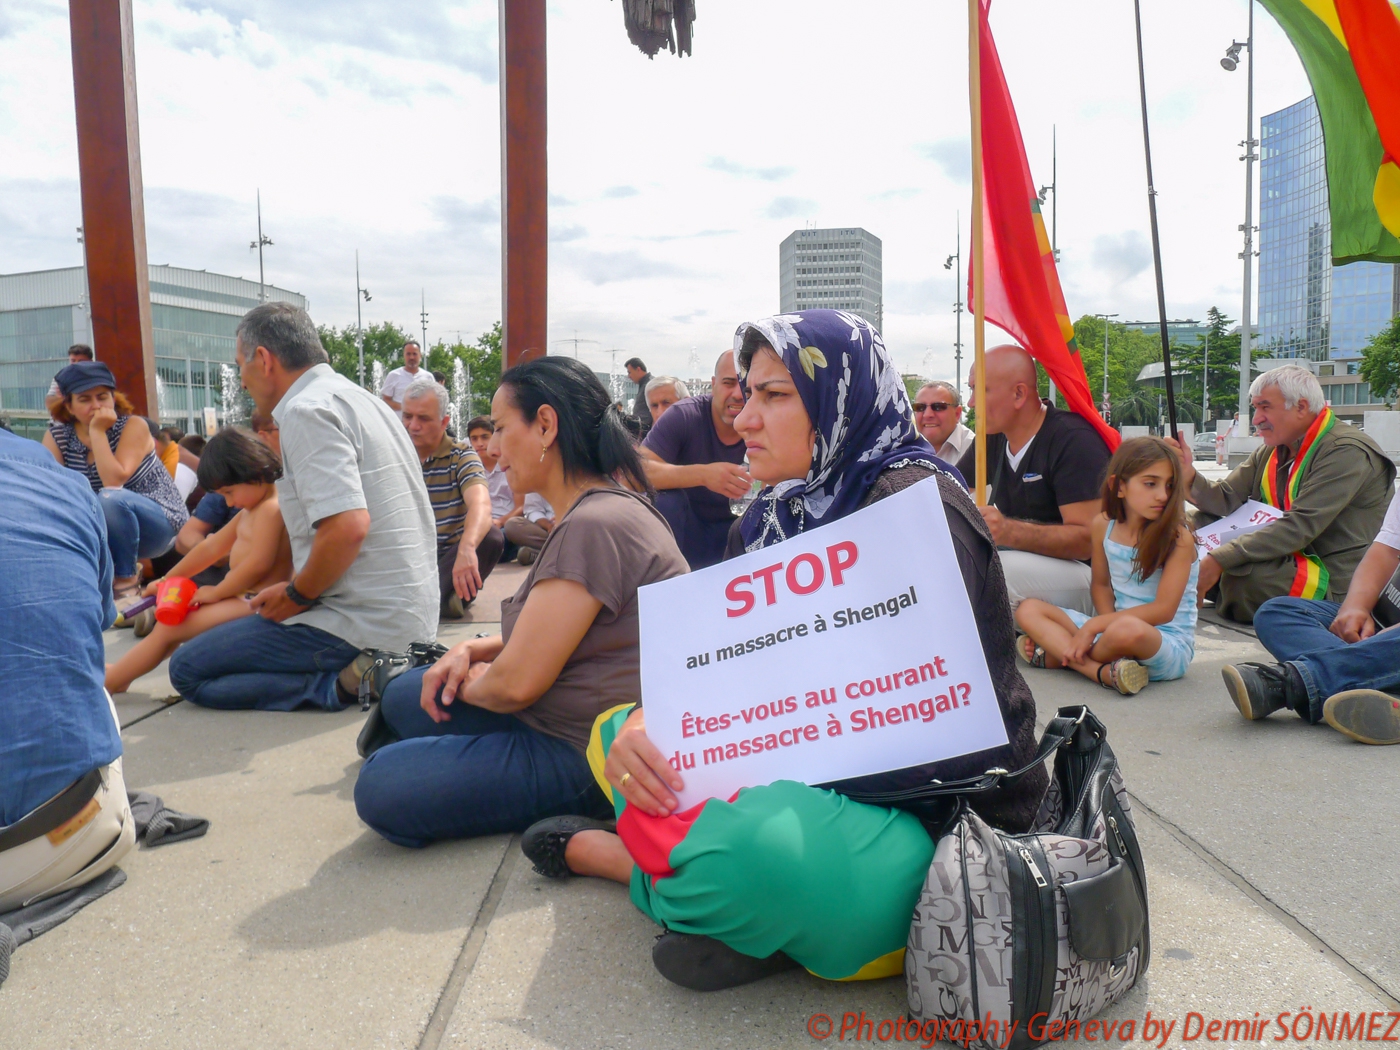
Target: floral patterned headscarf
859, 410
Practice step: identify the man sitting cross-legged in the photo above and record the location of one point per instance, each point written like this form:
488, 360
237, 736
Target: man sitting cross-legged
1336, 666
468, 543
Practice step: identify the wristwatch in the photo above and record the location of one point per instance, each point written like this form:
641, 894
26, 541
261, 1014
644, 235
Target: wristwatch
299, 598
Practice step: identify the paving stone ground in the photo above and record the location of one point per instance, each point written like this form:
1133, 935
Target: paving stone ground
1271, 853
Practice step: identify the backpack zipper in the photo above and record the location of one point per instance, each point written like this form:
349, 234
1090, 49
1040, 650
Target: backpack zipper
1035, 871
1113, 823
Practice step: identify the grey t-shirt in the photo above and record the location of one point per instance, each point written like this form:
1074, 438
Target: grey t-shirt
611, 541
344, 449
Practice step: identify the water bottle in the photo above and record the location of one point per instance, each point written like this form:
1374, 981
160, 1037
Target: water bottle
738, 506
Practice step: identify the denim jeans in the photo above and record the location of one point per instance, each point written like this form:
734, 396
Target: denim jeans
1295, 631
701, 542
136, 528
481, 773
255, 663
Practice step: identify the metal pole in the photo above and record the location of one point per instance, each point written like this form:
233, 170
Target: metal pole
1205, 383
359, 320
958, 308
1156, 239
1248, 254
1054, 221
423, 317
1105, 353
262, 293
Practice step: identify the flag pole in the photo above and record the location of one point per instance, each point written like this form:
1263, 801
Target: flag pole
979, 309
1156, 240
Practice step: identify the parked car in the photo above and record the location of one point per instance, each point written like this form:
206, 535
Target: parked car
1203, 445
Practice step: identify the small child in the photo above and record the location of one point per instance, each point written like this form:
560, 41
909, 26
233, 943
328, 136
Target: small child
1144, 584
242, 469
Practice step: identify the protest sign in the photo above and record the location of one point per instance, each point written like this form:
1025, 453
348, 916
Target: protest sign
1253, 515
847, 650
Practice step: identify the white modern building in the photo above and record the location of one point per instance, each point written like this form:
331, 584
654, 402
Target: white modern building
838, 269
194, 314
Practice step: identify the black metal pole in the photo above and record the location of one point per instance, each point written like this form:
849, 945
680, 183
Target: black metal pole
1156, 240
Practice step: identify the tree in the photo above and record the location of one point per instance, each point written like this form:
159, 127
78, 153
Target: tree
383, 343
1187, 359
481, 360
1380, 362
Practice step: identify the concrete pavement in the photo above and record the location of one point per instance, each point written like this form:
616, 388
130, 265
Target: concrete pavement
1270, 851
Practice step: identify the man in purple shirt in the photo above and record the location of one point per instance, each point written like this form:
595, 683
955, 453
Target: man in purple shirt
695, 459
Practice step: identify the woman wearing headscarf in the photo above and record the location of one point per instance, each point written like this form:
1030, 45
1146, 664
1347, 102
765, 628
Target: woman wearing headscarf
788, 874
91, 433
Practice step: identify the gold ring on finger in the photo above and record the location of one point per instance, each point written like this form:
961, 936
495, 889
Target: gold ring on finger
622, 783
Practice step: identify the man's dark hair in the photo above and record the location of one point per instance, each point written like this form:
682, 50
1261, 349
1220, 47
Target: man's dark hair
287, 333
172, 434
82, 350
153, 426
440, 377
234, 456
480, 423
592, 438
413, 343
193, 443
634, 362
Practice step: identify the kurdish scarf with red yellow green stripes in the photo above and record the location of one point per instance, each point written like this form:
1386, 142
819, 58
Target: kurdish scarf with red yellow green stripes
1311, 579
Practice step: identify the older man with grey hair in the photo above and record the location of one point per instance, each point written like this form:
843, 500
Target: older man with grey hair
662, 393
468, 543
938, 412
1332, 482
361, 531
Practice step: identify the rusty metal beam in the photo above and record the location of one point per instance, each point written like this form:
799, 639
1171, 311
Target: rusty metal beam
524, 181
114, 216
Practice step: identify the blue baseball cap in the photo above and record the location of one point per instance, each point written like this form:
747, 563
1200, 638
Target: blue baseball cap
84, 375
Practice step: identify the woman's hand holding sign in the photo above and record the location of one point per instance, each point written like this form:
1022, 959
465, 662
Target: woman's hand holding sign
637, 769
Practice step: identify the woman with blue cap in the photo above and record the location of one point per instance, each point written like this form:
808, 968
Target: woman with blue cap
89, 434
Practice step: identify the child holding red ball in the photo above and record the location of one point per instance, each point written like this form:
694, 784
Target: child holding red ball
242, 469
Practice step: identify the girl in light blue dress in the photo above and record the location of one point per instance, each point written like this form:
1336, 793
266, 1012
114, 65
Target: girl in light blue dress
1144, 588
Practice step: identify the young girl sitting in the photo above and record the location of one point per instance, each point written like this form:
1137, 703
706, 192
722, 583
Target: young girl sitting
242, 469
1144, 582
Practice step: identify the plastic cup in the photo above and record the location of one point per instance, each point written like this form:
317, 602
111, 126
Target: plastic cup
173, 596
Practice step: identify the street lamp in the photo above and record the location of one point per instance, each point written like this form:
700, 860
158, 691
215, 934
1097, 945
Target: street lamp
1230, 62
257, 245
1105, 362
955, 260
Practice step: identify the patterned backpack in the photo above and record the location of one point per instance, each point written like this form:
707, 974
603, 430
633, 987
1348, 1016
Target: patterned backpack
1038, 929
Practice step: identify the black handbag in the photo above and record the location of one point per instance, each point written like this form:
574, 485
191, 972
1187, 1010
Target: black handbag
384, 668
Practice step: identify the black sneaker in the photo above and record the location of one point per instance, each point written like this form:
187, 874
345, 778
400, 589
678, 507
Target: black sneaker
1258, 690
1367, 715
544, 842
704, 964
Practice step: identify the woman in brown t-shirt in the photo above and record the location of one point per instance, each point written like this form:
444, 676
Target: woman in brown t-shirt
492, 736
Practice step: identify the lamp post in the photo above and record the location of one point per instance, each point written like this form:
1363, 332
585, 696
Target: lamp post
258, 244
1230, 62
361, 295
1105, 361
954, 263
1054, 218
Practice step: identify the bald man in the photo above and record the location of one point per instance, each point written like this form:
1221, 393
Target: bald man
1046, 468
695, 459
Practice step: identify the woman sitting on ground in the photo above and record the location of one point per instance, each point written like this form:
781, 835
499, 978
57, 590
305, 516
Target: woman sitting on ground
492, 736
827, 427
90, 434
242, 470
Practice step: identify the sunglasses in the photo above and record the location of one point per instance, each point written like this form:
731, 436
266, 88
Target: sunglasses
933, 406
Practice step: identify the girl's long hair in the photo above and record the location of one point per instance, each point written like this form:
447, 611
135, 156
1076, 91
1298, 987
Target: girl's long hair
593, 441
234, 456
1159, 538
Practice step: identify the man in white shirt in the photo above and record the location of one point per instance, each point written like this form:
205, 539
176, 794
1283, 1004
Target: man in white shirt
362, 532
396, 382
1338, 664
938, 414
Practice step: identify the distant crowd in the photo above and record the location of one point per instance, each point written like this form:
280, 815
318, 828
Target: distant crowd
329, 539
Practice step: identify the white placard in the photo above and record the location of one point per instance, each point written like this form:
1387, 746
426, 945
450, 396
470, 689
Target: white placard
211, 421
850, 649
1253, 515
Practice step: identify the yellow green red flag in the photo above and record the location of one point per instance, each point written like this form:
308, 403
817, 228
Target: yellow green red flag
1351, 51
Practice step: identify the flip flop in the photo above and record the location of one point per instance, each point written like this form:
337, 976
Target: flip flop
1028, 651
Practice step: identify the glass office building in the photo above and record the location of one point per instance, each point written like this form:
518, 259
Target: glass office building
1307, 307
194, 314
833, 270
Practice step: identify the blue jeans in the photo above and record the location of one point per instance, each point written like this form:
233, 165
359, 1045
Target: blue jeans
481, 773
701, 542
136, 528
295, 664
1295, 631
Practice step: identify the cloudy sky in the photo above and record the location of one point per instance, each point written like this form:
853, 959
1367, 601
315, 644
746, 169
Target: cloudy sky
375, 125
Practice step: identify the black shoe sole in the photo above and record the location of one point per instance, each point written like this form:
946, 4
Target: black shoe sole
1239, 693
1366, 715
704, 964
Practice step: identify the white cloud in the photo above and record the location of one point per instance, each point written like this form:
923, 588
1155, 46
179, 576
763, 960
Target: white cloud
374, 125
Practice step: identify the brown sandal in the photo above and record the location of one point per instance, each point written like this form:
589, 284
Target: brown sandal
1029, 651
1129, 676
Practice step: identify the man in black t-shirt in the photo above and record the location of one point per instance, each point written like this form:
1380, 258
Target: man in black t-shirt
1046, 471
694, 458
637, 372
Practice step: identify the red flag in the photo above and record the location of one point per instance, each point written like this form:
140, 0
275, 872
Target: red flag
1023, 293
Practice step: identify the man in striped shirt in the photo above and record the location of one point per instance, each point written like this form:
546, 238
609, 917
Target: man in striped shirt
468, 544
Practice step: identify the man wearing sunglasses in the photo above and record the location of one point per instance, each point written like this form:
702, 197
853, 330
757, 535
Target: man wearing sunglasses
938, 416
